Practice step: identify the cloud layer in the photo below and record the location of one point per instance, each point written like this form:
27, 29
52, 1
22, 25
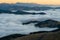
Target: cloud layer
12, 24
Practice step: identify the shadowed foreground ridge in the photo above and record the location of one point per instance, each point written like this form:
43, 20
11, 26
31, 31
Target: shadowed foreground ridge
12, 36
53, 35
42, 36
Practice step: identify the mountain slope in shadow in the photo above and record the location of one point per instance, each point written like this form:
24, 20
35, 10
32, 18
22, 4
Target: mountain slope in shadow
41, 36
48, 23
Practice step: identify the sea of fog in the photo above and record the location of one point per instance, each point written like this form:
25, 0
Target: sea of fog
12, 24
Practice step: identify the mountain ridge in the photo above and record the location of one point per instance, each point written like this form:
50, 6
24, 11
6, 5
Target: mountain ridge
23, 6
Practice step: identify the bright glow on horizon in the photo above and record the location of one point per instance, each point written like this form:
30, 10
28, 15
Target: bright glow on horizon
53, 2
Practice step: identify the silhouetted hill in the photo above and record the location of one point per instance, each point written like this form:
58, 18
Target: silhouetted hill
48, 23
4, 11
21, 12
12, 36
24, 6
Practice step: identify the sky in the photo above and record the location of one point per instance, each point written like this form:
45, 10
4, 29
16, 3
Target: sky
50, 2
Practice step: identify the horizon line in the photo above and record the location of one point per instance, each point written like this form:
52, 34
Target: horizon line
30, 3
